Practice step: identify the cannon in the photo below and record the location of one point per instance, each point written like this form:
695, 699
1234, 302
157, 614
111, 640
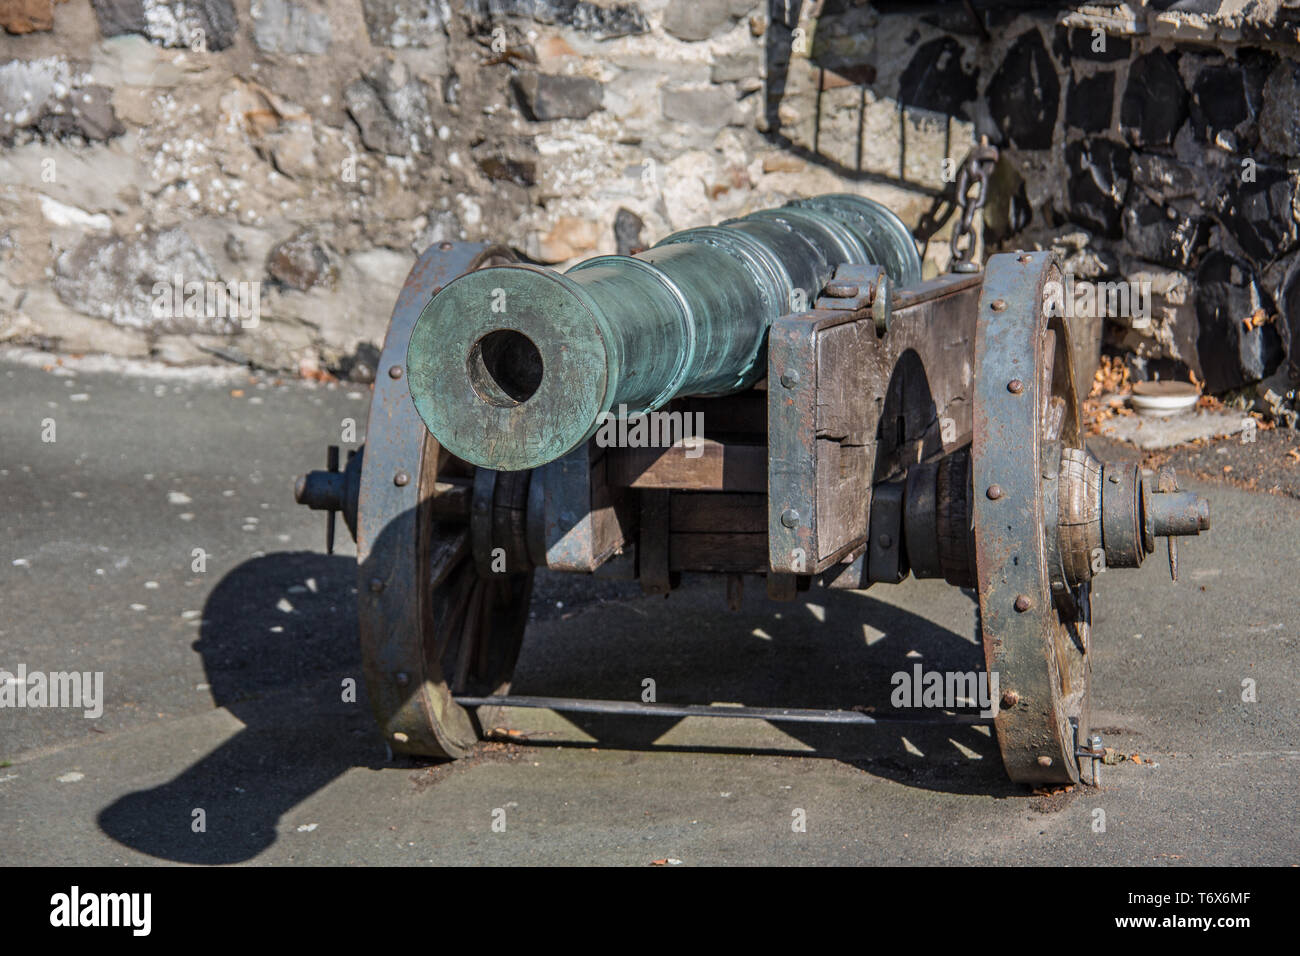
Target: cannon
779, 395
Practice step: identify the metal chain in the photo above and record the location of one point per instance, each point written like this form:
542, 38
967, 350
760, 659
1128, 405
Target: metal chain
975, 170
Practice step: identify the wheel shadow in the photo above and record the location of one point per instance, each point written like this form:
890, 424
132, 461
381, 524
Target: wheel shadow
278, 640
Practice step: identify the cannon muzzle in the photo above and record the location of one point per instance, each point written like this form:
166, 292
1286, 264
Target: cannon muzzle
511, 367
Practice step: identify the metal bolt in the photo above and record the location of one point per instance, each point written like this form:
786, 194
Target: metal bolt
395, 372
1010, 699
1044, 761
999, 305
789, 517
994, 492
402, 678
789, 378
376, 585
401, 479
1023, 603
1015, 386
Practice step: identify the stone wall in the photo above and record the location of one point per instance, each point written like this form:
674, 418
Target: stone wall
315, 146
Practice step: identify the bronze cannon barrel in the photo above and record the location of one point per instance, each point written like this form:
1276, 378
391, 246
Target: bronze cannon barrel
511, 367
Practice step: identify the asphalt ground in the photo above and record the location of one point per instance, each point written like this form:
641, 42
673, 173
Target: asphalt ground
222, 685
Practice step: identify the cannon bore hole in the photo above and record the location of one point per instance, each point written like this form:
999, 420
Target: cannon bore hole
505, 368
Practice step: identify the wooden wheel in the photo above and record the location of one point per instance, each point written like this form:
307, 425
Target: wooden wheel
432, 624
1035, 625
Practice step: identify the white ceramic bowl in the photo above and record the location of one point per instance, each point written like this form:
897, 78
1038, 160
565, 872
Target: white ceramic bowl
1162, 399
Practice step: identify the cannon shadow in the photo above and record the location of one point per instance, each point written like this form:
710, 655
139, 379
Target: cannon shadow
280, 673
279, 639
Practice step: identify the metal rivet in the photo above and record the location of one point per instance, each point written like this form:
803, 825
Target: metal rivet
395, 372
1015, 386
885, 541
789, 378
444, 245
1044, 761
1010, 699
789, 517
401, 478
999, 305
400, 737
1025, 258
1023, 603
376, 585
994, 492
402, 678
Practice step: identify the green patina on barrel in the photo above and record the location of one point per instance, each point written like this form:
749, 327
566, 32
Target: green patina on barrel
513, 366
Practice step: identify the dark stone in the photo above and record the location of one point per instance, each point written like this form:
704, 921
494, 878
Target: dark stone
597, 22
508, 160
1100, 174
1084, 43
1228, 100
216, 18
1279, 121
1088, 102
1219, 101
627, 232
1289, 318
1163, 178
549, 97
44, 96
391, 108
935, 80
1023, 94
86, 112
360, 366
1165, 235
1259, 214
1154, 106
302, 262
120, 16
1228, 291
